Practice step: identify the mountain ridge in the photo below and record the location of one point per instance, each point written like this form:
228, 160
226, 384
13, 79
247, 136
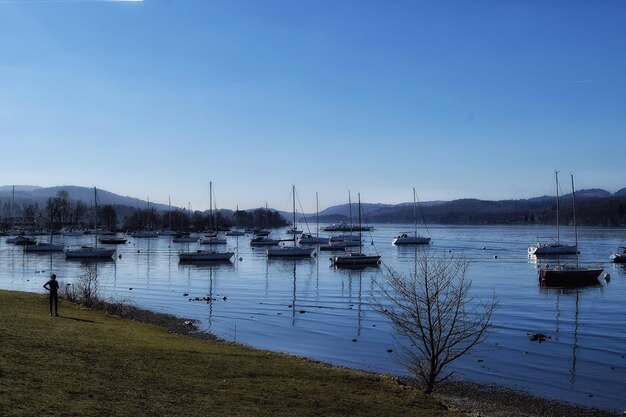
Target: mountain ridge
594, 206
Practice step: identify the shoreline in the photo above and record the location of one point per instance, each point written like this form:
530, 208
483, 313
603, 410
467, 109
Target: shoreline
471, 398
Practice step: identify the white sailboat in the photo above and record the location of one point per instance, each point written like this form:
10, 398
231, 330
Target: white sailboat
407, 238
207, 255
357, 259
91, 252
293, 251
555, 247
212, 238
308, 238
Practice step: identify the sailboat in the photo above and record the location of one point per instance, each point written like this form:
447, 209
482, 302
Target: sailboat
212, 237
343, 240
619, 258
145, 234
308, 238
45, 246
566, 275
207, 255
407, 238
556, 247
357, 259
293, 251
91, 252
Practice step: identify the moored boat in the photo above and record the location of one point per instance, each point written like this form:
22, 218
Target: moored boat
569, 275
44, 247
566, 275
205, 255
619, 258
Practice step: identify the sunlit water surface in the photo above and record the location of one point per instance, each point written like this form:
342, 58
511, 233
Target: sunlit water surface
308, 308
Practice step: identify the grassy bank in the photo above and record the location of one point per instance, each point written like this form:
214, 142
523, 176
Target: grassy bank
89, 363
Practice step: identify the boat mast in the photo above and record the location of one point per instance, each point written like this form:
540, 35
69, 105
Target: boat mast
574, 209
95, 204
317, 214
558, 234
360, 229
210, 205
415, 211
169, 209
350, 207
293, 191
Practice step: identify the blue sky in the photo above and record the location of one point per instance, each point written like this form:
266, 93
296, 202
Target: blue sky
458, 99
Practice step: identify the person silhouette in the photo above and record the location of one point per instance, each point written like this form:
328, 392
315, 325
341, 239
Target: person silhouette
53, 287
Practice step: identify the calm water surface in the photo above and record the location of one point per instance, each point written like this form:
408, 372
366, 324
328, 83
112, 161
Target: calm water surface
308, 308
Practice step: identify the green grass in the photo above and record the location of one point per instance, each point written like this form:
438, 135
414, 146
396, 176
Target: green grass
87, 363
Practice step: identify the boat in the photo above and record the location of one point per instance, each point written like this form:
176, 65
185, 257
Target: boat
291, 251
333, 247
308, 238
408, 238
44, 247
144, 234
343, 227
619, 258
294, 231
264, 241
24, 241
91, 252
235, 233
569, 275
205, 255
184, 238
357, 259
555, 247
566, 275
212, 238
112, 240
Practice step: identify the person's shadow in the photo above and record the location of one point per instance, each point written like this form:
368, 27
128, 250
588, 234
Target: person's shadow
76, 319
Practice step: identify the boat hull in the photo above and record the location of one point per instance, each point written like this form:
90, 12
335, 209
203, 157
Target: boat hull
203, 256
290, 252
356, 260
411, 240
89, 253
564, 276
44, 247
543, 249
619, 258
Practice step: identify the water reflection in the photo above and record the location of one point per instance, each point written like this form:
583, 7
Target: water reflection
569, 293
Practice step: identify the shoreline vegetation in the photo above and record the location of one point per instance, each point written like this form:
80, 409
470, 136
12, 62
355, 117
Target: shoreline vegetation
118, 359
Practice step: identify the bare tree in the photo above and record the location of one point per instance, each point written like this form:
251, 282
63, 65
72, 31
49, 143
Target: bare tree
432, 311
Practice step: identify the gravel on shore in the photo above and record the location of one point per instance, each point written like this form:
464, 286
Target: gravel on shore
494, 401
474, 399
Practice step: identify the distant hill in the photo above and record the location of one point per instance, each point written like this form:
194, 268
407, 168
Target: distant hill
26, 194
594, 207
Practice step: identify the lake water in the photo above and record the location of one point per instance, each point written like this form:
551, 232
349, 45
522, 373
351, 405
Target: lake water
309, 308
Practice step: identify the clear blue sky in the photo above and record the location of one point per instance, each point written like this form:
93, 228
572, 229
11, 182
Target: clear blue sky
458, 98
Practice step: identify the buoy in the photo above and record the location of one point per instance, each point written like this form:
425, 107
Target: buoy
240, 259
495, 256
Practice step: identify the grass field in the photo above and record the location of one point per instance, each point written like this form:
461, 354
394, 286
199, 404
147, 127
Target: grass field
88, 363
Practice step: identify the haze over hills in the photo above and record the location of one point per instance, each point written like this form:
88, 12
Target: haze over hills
594, 207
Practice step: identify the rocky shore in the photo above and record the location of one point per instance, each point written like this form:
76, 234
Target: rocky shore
473, 399
493, 401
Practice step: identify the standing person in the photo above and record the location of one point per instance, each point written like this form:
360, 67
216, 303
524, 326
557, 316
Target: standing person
53, 287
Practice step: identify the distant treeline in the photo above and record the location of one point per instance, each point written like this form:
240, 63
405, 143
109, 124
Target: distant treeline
590, 211
62, 212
